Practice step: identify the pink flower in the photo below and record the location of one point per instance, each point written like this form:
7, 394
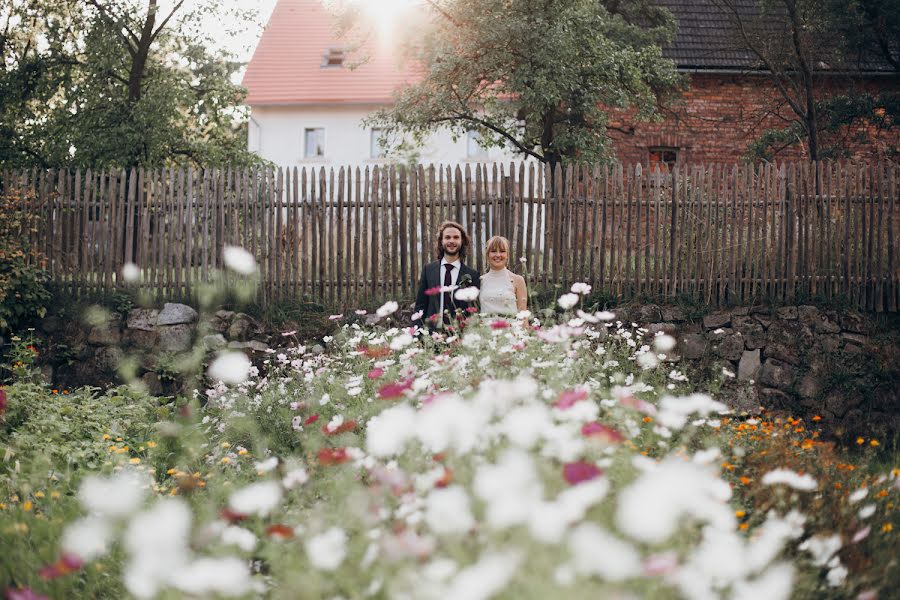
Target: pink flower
2, 401
499, 324
602, 433
861, 534
569, 397
394, 390
279, 532
333, 456
641, 406
433, 291
335, 317
375, 373
23, 594
579, 472
68, 563
660, 564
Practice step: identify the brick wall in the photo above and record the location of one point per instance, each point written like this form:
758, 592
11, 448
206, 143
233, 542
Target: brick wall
720, 114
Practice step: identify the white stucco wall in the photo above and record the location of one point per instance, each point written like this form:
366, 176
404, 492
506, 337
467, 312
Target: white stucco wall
277, 133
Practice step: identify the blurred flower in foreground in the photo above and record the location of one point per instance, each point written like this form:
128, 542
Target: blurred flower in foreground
239, 260
131, 272
230, 367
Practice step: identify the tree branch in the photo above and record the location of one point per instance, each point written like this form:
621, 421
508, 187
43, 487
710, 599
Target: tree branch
165, 21
131, 37
488, 125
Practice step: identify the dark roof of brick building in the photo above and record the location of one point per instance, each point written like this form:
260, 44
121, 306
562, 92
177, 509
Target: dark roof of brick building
709, 39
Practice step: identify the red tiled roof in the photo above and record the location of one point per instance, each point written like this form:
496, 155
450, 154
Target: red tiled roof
286, 67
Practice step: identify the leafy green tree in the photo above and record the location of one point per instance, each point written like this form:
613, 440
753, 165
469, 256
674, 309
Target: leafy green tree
534, 75
807, 45
116, 83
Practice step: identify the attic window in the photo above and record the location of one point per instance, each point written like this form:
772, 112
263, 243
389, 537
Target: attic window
334, 57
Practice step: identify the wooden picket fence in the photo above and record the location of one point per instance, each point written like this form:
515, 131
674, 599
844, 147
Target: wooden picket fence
350, 237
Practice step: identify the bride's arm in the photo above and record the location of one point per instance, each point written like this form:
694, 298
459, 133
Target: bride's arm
521, 293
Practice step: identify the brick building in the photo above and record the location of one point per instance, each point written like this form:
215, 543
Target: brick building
730, 101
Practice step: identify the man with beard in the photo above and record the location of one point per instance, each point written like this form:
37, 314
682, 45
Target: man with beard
436, 296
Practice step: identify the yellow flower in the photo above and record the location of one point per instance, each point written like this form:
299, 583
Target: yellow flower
106, 436
873, 443
135, 461
2, 506
151, 444
27, 505
226, 445
54, 495
887, 527
39, 494
860, 441
225, 459
171, 471
242, 451
118, 439
740, 514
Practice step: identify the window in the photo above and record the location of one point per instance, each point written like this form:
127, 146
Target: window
474, 149
333, 57
314, 142
662, 155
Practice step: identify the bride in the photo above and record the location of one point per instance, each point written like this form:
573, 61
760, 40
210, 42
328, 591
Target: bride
502, 291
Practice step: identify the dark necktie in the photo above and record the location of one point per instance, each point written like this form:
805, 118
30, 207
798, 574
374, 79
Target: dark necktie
448, 281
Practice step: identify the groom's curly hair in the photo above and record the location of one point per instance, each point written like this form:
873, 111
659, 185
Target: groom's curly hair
463, 248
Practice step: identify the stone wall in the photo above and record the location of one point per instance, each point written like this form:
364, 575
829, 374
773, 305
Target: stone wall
842, 366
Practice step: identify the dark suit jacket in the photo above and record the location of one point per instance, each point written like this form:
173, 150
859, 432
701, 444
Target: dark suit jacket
432, 278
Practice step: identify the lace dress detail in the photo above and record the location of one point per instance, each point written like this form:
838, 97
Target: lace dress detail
497, 295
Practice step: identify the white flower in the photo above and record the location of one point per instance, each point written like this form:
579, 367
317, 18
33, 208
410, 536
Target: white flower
858, 495
775, 584
523, 314
401, 341
837, 575
523, 260
417, 315
230, 368
156, 541
867, 511
113, 497
663, 343
804, 483
567, 301
226, 576
605, 315
485, 578
821, 548
581, 288
327, 550
294, 478
239, 260
466, 294
447, 511
387, 432
256, 499
597, 552
131, 272
652, 507
240, 537
87, 538
388, 308
266, 465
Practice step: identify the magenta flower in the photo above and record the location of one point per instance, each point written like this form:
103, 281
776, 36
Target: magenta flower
23, 594
499, 324
581, 471
602, 433
375, 373
394, 390
569, 397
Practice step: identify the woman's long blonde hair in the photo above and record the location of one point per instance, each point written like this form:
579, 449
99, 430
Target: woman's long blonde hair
495, 243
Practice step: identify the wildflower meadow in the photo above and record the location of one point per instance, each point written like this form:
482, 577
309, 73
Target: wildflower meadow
561, 453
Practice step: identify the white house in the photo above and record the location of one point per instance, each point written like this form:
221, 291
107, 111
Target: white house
307, 105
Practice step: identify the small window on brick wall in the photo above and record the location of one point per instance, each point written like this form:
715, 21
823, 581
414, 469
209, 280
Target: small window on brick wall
662, 155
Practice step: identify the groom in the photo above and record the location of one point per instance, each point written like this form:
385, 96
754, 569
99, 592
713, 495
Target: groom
449, 270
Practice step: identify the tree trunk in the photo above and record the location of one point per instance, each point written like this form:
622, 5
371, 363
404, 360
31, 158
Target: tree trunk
139, 59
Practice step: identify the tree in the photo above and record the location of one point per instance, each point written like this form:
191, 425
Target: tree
120, 83
800, 44
535, 75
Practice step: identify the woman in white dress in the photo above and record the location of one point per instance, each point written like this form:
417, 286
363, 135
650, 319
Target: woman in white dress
502, 291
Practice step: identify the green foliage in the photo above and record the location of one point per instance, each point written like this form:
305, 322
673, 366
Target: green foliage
117, 83
23, 294
539, 77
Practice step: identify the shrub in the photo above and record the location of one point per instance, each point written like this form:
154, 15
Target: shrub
23, 294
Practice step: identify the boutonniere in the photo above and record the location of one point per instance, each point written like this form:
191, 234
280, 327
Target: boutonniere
464, 280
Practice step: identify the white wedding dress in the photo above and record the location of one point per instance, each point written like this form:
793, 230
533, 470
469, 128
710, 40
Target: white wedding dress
497, 295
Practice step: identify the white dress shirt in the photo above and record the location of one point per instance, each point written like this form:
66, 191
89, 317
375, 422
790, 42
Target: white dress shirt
454, 275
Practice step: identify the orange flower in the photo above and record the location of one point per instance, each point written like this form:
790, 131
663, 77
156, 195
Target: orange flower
860, 441
873, 443
887, 527
816, 418
647, 419
740, 514
746, 480
743, 526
